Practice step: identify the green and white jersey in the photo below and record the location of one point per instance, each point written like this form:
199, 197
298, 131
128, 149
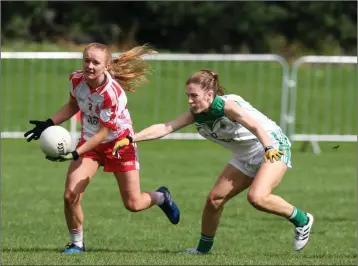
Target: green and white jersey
217, 127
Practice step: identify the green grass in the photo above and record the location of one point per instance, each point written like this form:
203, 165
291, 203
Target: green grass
33, 226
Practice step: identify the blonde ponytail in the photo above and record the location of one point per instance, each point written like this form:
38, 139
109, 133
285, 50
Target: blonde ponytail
130, 69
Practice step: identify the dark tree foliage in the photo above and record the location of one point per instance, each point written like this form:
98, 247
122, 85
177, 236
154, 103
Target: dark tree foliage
198, 26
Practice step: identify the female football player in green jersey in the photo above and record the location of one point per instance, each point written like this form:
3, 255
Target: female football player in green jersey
260, 155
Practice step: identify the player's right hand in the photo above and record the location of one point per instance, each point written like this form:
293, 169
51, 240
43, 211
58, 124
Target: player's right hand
65, 157
272, 154
40, 126
121, 143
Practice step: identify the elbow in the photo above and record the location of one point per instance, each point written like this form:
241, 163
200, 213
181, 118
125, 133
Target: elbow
102, 136
257, 131
74, 109
253, 129
167, 129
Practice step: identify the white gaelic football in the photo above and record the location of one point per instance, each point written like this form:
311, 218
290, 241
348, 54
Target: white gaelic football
55, 141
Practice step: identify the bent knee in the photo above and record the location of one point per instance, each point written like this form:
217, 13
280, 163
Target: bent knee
132, 205
71, 198
215, 203
256, 199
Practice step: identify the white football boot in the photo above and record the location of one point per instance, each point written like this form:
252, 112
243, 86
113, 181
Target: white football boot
302, 234
192, 251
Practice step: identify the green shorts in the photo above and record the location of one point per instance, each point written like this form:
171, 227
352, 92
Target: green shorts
249, 159
281, 142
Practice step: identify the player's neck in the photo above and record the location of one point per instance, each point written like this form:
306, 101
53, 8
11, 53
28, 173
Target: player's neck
94, 84
207, 110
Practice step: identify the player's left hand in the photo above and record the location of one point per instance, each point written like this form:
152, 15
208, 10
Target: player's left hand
120, 144
66, 157
271, 153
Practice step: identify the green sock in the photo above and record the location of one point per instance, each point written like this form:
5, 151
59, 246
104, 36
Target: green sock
298, 217
205, 243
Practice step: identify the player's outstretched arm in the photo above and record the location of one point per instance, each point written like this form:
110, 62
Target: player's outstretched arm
160, 130
238, 114
156, 131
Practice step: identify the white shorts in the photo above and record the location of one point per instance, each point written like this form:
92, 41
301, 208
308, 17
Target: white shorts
249, 160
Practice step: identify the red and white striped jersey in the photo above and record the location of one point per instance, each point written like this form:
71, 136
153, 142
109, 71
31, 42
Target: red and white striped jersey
106, 105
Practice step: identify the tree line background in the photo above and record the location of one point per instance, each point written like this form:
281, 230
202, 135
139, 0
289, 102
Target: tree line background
282, 27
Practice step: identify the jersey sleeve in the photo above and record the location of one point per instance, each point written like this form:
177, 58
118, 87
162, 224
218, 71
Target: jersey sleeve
74, 79
72, 96
112, 106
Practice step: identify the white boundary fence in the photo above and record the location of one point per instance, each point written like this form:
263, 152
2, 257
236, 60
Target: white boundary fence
288, 92
166, 57
294, 91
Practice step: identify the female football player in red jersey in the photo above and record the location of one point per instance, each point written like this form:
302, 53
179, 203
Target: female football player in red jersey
98, 91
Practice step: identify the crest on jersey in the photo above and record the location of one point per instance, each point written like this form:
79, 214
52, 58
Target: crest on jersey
106, 114
97, 110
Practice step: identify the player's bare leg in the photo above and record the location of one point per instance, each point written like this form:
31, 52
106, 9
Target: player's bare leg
79, 175
261, 197
134, 200
230, 183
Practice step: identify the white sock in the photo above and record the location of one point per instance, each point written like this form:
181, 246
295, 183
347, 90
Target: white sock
158, 197
77, 236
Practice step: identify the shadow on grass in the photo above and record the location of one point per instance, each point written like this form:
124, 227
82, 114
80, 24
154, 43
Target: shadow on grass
164, 251
92, 250
310, 255
329, 256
